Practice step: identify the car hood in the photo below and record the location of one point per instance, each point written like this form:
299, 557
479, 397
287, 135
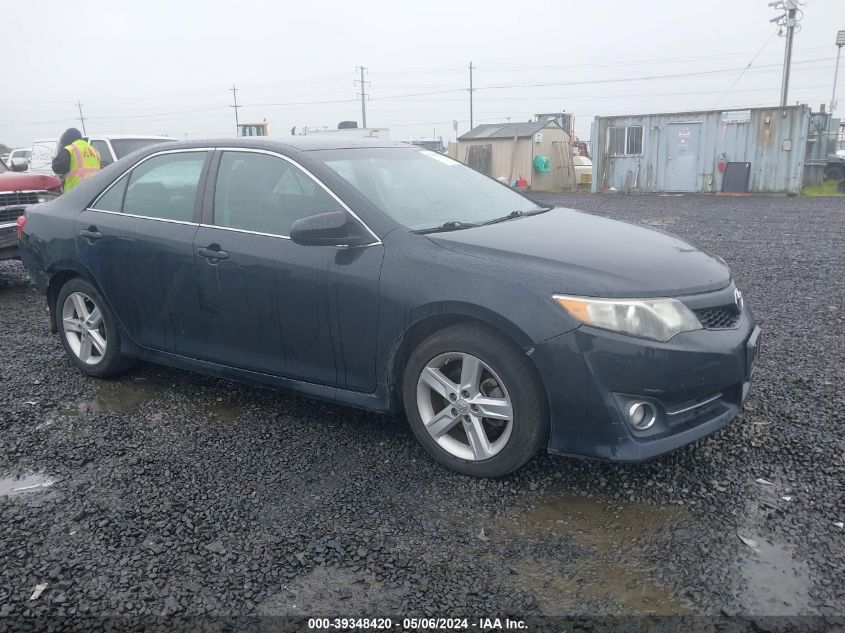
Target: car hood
590, 255
22, 181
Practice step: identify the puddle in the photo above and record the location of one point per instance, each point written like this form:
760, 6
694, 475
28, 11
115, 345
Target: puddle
659, 222
121, 396
775, 580
606, 568
776, 583
328, 591
12, 486
225, 412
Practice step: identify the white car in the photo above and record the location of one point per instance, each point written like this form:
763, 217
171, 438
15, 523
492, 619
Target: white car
111, 147
19, 153
41, 157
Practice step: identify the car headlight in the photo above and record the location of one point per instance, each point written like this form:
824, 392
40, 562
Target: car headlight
46, 196
656, 319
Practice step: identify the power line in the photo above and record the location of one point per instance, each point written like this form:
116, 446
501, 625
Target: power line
237, 106
629, 79
753, 59
609, 64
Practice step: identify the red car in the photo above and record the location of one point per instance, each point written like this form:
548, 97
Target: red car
17, 191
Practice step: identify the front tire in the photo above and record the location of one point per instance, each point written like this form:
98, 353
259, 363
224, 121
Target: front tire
474, 401
88, 330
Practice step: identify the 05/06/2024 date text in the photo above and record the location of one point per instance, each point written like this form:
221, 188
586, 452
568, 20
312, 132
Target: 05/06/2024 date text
416, 624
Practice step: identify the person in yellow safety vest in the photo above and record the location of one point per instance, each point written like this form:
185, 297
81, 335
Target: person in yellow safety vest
76, 160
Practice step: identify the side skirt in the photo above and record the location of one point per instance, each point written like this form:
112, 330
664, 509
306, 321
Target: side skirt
377, 401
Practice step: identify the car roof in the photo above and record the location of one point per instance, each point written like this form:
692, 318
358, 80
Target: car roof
302, 143
132, 136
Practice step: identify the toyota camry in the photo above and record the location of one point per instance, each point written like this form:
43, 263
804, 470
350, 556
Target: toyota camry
394, 279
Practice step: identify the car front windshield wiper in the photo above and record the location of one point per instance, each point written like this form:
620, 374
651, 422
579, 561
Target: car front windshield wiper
517, 214
451, 225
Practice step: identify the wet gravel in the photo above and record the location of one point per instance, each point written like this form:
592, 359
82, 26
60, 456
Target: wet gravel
173, 493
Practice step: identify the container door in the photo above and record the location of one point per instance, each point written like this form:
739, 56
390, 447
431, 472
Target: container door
682, 156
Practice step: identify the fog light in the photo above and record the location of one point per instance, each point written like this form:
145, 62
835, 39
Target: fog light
641, 415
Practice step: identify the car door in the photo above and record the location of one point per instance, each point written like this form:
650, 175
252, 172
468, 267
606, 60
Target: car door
271, 305
136, 240
104, 150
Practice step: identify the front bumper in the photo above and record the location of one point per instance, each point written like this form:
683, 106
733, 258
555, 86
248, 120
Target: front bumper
8, 240
696, 383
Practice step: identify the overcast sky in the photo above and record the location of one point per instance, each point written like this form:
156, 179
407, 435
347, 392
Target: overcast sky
165, 67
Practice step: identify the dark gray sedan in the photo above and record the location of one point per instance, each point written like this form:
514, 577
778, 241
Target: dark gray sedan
390, 277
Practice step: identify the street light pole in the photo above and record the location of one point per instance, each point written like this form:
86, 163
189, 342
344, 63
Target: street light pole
840, 42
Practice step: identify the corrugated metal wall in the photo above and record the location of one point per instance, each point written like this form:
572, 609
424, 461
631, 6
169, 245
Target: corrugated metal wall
773, 140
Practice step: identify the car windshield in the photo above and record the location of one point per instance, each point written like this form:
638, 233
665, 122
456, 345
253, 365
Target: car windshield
424, 190
125, 146
3, 167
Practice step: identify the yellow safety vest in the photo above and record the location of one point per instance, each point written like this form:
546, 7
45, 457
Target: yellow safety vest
84, 163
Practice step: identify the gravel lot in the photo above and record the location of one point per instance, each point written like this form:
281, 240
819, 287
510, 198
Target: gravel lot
174, 493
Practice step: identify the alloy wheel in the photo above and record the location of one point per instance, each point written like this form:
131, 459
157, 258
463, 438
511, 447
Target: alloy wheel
464, 406
84, 328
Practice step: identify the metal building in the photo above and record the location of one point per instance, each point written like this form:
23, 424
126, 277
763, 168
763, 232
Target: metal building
691, 151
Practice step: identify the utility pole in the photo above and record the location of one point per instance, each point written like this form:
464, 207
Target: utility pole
789, 20
363, 94
471, 90
81, 118
234, 92
840, 42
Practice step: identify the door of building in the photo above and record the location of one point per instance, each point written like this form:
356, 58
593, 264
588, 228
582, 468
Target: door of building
682, 141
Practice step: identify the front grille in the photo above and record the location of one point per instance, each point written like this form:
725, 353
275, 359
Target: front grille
18, 198
12, 203
718, 318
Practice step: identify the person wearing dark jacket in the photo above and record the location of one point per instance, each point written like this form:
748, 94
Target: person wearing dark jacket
75, 159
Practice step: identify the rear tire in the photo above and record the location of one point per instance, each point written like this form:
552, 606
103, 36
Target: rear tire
88, 330
474, 401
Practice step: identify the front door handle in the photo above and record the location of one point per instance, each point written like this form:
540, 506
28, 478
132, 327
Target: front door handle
213, 253
91, 233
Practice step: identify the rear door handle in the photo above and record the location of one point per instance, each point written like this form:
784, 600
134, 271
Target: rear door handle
91, 233
212, 253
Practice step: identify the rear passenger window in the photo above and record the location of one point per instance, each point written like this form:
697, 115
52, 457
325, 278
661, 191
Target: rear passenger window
103, 151
112, 200
266, 194
165, 186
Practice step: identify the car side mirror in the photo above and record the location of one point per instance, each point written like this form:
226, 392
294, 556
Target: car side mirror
333, 228
19, 164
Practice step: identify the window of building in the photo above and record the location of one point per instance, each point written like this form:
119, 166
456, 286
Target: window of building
265, 194
634, 139
625, 141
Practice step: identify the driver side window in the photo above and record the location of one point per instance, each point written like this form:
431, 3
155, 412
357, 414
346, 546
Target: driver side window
266, 194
